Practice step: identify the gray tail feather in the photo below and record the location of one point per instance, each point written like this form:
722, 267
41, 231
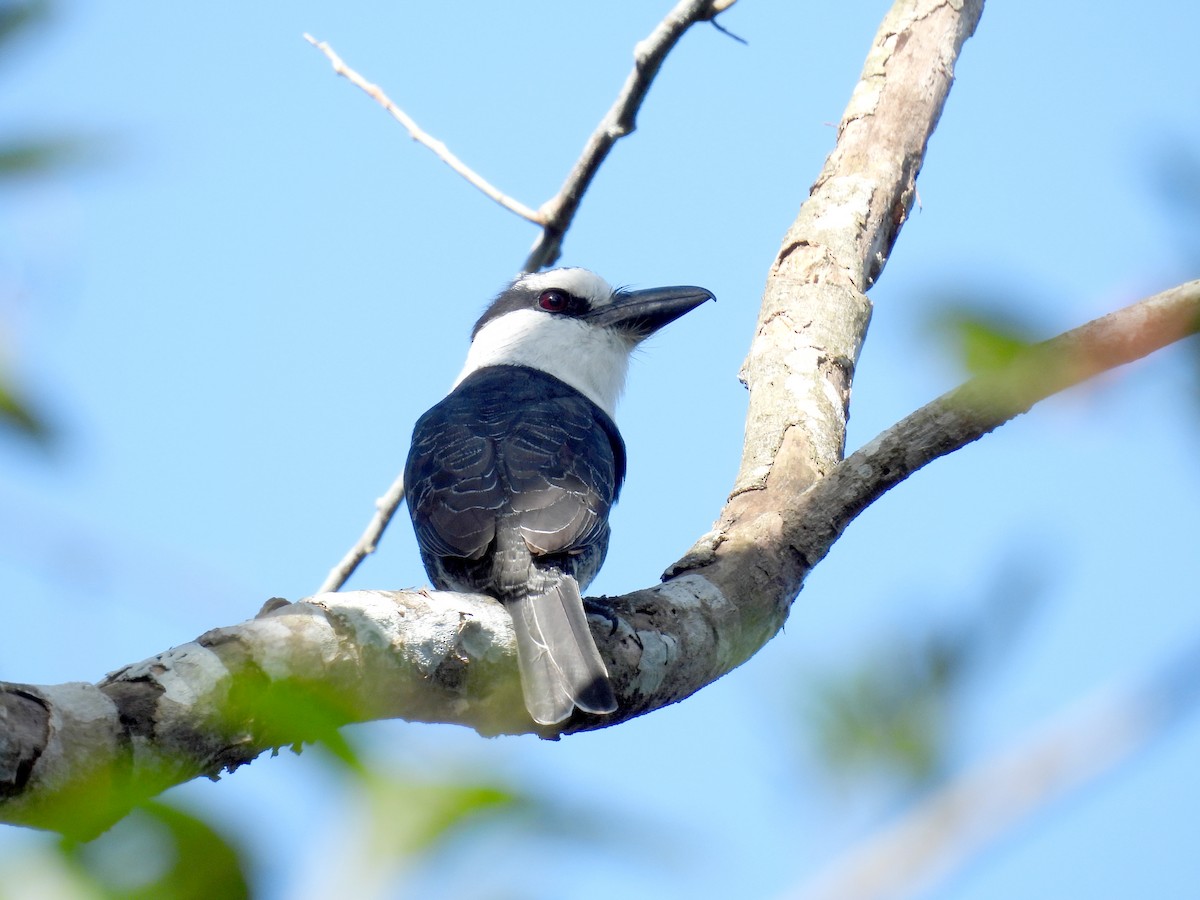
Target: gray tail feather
560, 665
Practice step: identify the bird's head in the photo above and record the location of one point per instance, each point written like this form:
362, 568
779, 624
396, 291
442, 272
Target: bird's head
570, 323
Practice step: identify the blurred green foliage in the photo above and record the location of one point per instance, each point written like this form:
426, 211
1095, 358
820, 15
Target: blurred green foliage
19, 415
893, 713
20, 158
17, 15
159, 851
984, 341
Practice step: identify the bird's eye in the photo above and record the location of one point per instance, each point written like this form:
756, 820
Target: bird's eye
553, 300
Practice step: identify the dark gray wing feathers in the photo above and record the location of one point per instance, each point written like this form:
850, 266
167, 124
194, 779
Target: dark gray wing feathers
509, 482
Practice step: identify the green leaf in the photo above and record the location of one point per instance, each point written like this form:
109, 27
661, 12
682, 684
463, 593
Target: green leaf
19, 415
893, 713
32, 157
411, 817
162, 852
984, 342
288, 712
16, 18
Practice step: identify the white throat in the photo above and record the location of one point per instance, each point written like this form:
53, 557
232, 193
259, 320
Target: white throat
591, 359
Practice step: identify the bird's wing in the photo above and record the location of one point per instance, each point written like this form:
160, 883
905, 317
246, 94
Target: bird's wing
452, 484
562, 472
512, 442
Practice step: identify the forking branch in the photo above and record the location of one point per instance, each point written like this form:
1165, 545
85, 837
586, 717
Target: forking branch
556, 214
206, 706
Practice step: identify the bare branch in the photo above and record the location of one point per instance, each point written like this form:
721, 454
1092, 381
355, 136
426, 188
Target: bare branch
619, 121
440, 150
385, 508
75, 757
555, 215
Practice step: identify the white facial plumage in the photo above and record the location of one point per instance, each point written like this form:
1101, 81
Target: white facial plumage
593, 360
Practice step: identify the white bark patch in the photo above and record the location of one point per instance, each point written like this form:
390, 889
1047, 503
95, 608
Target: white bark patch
191, 673
83, 732
79, 700
848, 206
659, 652
275, 641
375, 617
424, 631
706, 604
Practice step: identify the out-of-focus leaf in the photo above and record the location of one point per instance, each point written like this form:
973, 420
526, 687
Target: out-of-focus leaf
161, 852
411, 817
32, 157
893, 715
984, 343
16, 17
18, 415
289, 712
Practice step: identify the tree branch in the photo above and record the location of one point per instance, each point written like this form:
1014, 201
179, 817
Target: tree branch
621, 120
815, 313
556, 214
440, 150
385, 508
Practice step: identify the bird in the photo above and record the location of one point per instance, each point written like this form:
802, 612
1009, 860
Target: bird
511, 477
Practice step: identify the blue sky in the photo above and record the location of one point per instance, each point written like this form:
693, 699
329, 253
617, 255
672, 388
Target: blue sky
239, 307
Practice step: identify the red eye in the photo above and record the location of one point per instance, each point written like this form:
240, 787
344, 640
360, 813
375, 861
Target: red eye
553, 300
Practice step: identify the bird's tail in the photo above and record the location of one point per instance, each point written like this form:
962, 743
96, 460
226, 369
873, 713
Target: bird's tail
560, 666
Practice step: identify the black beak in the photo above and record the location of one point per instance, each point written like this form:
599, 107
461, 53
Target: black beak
641, 313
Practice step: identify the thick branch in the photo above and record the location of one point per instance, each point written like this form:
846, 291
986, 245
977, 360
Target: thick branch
814, 313
75, 757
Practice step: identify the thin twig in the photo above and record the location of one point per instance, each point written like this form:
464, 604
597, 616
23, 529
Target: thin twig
440, 150
619, 121
385, 508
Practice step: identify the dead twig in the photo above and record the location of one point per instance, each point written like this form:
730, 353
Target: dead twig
440, 150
